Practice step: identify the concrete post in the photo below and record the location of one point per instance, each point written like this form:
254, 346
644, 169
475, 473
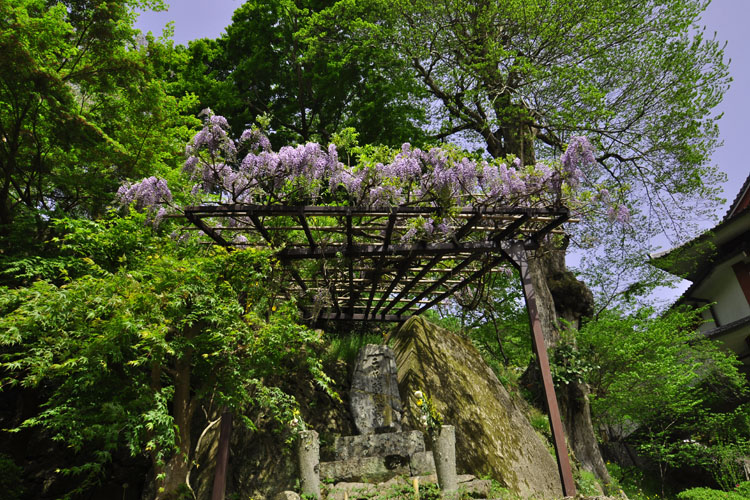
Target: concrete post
309, 463
444, 453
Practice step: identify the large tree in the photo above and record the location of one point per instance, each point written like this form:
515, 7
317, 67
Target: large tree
82, 107
311, 85
638, 77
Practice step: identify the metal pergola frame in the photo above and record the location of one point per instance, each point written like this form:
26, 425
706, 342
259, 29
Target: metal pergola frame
366, 268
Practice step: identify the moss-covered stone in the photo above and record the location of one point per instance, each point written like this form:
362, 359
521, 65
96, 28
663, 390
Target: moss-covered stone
493, 437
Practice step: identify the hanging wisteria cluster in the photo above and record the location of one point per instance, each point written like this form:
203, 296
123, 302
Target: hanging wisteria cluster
248, 171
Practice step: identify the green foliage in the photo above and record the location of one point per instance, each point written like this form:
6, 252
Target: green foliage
637, 484
292, 61
647, 365
741, 492
427, 491
743, 488
346, 347
540, 423
724, 460
183, 325
568, 363
587, 484
82, 106
668, 386
10, 478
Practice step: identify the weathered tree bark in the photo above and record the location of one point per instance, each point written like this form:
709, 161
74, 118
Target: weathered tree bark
515, 135
561, 296
184, 405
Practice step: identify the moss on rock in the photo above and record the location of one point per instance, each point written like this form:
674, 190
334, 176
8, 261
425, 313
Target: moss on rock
493, 437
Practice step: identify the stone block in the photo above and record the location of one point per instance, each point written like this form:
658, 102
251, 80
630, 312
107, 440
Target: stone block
287, 495
352, 491
422, 463
371, 469
374, 445
477, 488
395, 481
374, 396
427, 479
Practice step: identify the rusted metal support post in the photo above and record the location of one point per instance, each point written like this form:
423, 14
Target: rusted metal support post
518, 255
222, 457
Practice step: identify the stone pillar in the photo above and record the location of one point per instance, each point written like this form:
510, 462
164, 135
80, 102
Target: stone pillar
309, 463
444, 452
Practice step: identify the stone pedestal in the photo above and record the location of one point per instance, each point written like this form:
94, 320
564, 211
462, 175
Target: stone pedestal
444, 453
309, 463
374, 397
378, 457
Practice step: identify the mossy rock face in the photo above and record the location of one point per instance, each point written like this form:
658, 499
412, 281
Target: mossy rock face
493, 437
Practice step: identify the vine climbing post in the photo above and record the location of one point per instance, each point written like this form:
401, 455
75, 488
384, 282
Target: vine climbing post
517, 254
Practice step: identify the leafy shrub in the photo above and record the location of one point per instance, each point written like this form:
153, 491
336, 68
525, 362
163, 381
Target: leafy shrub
10, 478
710, 494
743, 489
346, 347
587, 484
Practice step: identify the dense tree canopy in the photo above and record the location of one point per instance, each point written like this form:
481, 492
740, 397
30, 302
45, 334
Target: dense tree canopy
146, 333
94, 299
264, 65
82, 107
668, 390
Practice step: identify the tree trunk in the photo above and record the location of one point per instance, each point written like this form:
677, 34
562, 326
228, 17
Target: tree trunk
515, 135
561, 296
177, 468
175, 473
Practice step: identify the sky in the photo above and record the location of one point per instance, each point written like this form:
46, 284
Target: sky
728, 18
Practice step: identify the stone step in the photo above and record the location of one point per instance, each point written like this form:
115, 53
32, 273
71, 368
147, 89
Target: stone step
378, 469
468, 485
404, 444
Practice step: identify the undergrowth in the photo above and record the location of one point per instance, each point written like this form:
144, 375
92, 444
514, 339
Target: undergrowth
346, 347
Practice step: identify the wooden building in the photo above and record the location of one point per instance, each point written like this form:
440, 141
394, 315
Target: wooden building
718, 264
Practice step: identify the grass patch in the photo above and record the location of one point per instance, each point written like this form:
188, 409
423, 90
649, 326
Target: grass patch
346, 347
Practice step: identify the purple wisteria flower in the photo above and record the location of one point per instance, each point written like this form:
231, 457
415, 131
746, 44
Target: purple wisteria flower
409, 235
146, 193
619, 213
303, 173
190, 164
255, 140
580, 153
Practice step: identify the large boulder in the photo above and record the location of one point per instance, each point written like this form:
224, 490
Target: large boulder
493, 437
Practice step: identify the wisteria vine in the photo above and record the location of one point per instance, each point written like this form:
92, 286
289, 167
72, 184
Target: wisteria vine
248, 171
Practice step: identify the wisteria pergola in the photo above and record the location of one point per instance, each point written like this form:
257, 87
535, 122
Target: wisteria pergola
348, 263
